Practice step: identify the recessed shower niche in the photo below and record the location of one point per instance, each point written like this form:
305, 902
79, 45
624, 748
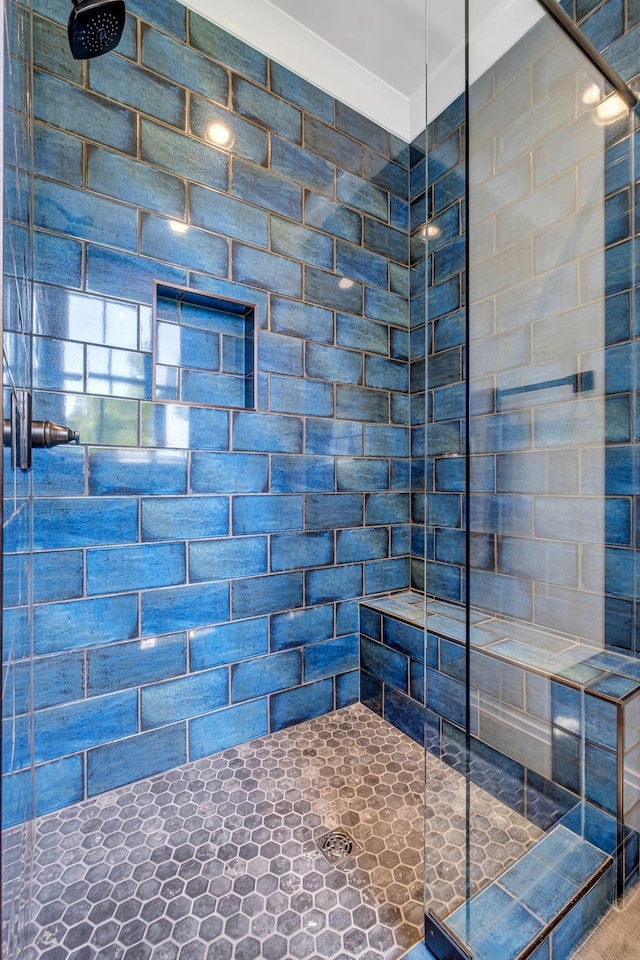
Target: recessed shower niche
203, 349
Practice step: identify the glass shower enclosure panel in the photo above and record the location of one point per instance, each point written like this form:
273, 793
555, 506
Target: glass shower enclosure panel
18, 774
538, 656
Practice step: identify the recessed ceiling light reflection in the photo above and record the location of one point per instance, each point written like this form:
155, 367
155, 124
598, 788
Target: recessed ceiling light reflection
178, 226
345, 283
610, 110
220, 134
433, 231
592, 95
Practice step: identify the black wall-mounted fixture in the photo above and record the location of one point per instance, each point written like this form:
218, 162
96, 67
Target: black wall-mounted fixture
95, 27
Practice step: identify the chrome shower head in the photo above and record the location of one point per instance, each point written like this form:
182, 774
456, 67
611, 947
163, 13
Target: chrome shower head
95, 27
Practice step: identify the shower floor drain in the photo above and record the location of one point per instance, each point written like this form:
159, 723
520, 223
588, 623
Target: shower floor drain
337, 845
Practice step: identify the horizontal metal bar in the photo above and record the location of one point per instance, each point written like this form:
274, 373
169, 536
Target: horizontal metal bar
579, 381
567, 25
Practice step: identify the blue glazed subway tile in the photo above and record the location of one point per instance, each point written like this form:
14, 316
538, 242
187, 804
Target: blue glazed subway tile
261, 595
264, 675
184, 697
191, 518
334, 218
386, 174
332, 145
116, 274
57, 364
362, 334
289, 395
69, 728
326, 511
302, 167
347, 689
359, 264
404, 637
193, 428
71, 522
223, 214
383, 575
361, 128
122, 665
371, 691
114, 764
300, 474
181, 64
388, 665
295, 551
57, 155
227, 49
303, 703
227, 728
371, 623
272, 434
297, 627
279, 354
299, 91
198, 386
263, 108
165, 16
332, 363
330, 657
371, 543
184, 156
266, 514
386, 307
347, 617
334, 438
293, 240
266, 270
297, 319
74, 624
387, 374
329, 290
405, 714
113, 570
195, 249
169, 609
362, 403
359, 474
228, 642
385, 441
333, 583
122, 373
56, 260
231, 472
186, 346
213, 124
266, 189
55, 680
385, 241
224, 559
77, 111
134, 87
124, 471
79, 214
387, 508
358, 193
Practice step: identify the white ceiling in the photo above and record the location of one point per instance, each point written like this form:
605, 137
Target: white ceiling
371, 53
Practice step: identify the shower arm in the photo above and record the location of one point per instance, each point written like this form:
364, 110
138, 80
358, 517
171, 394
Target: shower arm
566, 24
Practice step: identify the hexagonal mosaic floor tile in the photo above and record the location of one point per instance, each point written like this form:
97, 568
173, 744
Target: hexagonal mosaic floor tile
218, 859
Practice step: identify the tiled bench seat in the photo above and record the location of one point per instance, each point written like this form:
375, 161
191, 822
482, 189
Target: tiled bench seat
543, 906
526, 710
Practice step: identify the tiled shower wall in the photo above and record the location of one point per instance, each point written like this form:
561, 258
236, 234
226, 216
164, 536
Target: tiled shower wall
197, 569
569, 595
